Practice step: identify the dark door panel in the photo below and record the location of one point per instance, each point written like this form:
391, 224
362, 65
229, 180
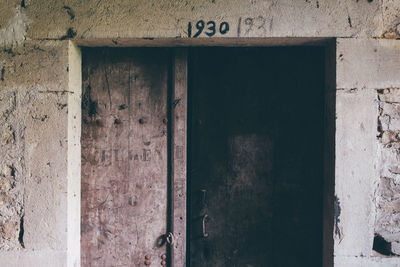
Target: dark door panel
256, 156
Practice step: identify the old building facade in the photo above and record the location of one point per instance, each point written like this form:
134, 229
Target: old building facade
42, 44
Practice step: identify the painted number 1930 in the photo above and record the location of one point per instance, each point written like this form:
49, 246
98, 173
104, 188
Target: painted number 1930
210, 28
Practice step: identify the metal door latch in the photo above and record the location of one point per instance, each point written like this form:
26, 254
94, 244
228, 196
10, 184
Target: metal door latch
203, 221
170, 238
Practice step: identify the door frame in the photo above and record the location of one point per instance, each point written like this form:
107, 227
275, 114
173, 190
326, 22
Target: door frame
178, 140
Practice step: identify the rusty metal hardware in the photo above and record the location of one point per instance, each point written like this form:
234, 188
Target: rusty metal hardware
170, 238
163, 263
205, 234
163, 257
147, 260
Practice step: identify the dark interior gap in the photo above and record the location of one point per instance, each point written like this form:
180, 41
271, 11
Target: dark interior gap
255, 156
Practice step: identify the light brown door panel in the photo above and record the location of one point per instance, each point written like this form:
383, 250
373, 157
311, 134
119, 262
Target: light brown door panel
124, 156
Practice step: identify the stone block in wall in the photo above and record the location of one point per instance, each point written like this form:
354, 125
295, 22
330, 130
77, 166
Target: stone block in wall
36, 66
367, 63
9, 230
13, 24
46, 168
33, 132
355, 172
11, 169
391, 19
94, 19
389, 160
389, 189
33, 258
344, 261
396, 247
390, 116
389, 95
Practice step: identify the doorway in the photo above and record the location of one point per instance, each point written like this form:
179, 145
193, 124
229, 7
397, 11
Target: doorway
255, 165
253, 161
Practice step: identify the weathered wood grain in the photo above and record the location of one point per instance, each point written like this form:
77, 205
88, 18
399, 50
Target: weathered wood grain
124, 156
179, 148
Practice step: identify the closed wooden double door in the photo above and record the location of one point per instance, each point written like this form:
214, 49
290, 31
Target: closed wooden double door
202, 156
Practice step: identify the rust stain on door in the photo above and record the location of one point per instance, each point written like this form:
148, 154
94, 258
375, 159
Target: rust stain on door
124, 156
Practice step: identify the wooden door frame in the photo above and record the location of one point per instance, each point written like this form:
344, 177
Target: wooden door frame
178, 156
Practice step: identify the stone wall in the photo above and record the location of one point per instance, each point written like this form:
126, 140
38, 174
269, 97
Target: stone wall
12, 174
33, 151
22, 20
36, 124
388, 192
364, 67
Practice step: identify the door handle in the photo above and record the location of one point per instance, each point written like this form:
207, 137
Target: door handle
170, 238
203, 222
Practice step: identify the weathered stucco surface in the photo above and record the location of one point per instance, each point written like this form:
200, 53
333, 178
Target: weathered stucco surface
391, 19
143, 18
53, 19
34, 93
367, 151
367, 64
388, 193
12, 173
355, 154
15, 26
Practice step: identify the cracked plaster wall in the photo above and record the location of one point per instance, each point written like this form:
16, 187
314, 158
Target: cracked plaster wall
34, 91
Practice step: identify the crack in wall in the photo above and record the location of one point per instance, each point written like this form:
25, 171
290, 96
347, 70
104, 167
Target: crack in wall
21, 232
338, 211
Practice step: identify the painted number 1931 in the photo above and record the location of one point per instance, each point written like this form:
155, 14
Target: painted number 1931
210, 28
